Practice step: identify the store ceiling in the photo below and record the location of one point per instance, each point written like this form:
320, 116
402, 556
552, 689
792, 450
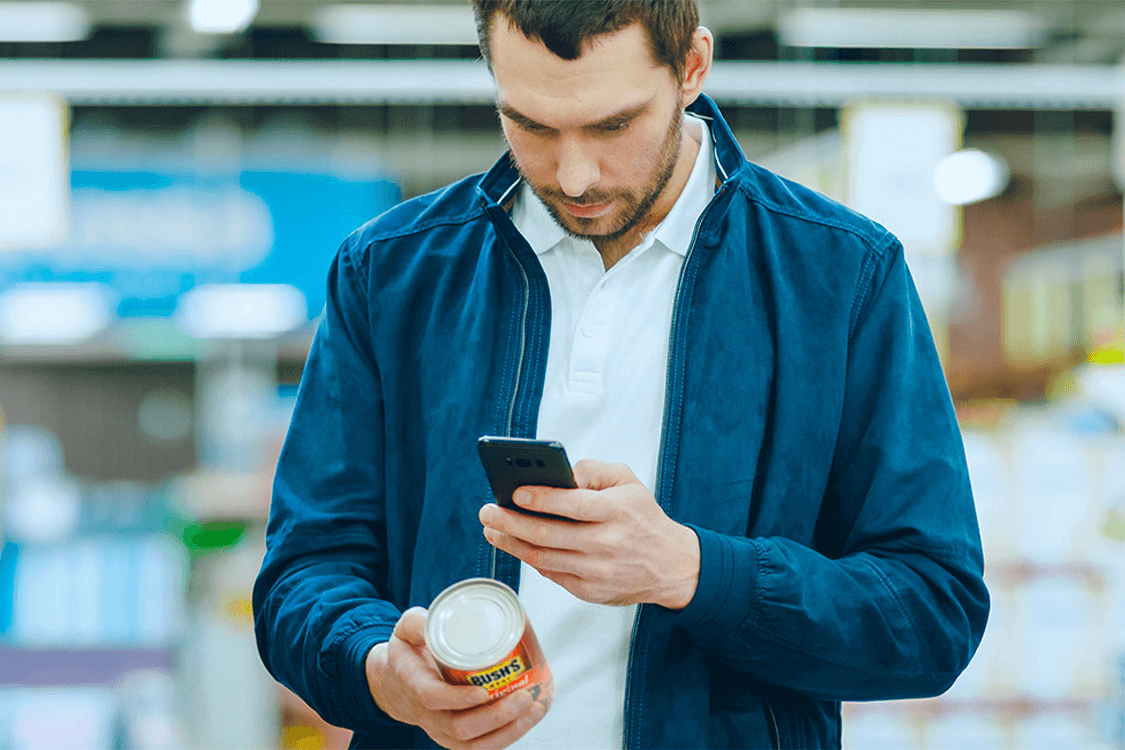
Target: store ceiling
1063, 31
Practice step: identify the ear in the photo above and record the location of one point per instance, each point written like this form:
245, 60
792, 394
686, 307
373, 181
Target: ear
698, 64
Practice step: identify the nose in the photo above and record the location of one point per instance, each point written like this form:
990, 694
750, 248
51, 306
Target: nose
577, 169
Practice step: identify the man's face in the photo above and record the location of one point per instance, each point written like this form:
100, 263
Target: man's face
596, 138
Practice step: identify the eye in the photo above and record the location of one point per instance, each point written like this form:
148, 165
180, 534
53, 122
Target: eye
614, 127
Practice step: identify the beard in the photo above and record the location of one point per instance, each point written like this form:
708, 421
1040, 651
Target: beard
635, 203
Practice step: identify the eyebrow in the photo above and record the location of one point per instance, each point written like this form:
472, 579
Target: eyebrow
614, 120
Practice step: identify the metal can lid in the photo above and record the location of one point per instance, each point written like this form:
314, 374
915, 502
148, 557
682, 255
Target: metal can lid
474, 624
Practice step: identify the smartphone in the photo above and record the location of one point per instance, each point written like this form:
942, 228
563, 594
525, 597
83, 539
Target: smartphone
514, 462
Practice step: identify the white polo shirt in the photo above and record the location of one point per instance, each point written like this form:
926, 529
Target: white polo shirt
603, 398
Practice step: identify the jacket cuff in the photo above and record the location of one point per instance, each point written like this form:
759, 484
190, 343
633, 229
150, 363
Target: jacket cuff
355, 693
728, 583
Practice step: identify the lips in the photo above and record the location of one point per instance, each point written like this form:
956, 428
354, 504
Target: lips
587, 210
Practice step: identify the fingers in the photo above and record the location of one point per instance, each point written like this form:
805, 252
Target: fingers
414, 668
542, 558
493, 725
571, 505
542, 532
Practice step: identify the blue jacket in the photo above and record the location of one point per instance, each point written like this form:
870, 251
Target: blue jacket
809, 440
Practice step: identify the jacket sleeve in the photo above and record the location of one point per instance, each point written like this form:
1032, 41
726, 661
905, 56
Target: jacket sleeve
320, 602
894, 605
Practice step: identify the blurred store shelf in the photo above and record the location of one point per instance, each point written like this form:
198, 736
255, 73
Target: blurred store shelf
145, 340
354, 82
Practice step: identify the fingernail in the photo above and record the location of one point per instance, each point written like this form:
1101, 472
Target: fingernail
522, 497
486, 514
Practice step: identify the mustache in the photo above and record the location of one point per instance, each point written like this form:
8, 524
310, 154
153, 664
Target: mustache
589, 198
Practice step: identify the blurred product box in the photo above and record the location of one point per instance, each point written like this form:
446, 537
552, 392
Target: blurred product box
112, 591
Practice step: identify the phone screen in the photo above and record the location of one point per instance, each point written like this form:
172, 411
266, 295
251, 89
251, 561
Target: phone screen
516, 462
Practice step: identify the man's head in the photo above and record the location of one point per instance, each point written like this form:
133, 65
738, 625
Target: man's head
566, 26
592, 105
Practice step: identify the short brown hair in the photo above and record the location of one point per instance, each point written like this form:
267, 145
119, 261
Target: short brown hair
565, 26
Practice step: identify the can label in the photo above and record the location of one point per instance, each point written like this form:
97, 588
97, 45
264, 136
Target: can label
524, 667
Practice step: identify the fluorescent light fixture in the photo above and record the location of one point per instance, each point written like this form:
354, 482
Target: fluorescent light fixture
969, 176
43, 22
222, 16
241, 311
919, 29
395, 24
55, 312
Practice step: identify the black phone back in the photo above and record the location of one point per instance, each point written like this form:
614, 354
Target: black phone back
516, 462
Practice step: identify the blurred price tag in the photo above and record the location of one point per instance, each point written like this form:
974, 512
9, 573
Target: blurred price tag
34, 171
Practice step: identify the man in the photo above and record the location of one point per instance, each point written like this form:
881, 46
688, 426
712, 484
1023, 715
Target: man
776, 515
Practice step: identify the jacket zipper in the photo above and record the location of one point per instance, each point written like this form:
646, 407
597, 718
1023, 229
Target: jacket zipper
492, 555
663, 441
773, 719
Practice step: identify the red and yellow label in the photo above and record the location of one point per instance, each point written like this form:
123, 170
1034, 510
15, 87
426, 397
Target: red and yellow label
524, 668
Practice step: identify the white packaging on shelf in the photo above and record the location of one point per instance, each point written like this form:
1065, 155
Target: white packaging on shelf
990, 475
1059, 639
1055, 498
1054, 731
890, 730
967, 731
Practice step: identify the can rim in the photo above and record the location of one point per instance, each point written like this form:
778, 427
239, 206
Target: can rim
437, 617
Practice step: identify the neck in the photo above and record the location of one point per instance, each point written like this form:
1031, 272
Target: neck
617, 248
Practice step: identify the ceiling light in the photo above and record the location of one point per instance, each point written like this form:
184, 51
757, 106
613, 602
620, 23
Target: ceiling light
222, 16
55, 312
969, 176
918, 29
43, 22
241, 311
395, 24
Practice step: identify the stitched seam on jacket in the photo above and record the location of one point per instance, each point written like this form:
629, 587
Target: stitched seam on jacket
951, 554
889, 585
867, 274
880, 245
334, 648
856, 666
396, 234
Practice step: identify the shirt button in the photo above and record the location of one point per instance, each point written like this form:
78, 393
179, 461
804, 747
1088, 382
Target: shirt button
588, 330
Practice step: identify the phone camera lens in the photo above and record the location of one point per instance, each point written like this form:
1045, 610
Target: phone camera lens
523, 462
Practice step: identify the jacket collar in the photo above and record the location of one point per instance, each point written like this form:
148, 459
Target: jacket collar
498, 185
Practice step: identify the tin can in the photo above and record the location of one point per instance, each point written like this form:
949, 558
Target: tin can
479, 634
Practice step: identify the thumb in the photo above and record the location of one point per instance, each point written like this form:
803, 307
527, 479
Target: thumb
599, 475
411, 627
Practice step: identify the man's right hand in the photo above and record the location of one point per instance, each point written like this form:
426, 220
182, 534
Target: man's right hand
405, 682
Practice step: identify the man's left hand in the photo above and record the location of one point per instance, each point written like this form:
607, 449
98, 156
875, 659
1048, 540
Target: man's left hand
612, 545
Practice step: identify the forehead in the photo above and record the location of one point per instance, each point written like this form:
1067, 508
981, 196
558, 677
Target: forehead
614, 71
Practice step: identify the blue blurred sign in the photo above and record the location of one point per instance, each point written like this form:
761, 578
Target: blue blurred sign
152, 236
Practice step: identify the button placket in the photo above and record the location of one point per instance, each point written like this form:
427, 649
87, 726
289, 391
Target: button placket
591, 342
